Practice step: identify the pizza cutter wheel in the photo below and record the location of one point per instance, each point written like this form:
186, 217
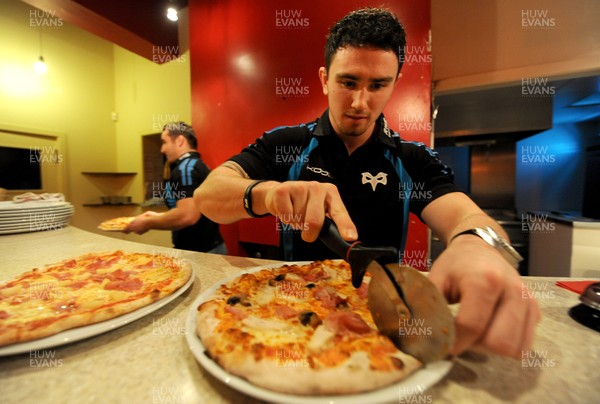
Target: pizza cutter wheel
405, 305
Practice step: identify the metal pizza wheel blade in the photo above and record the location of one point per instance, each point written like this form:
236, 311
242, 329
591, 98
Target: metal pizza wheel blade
413, 313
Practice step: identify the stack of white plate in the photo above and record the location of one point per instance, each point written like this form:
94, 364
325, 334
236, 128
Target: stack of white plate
33, 216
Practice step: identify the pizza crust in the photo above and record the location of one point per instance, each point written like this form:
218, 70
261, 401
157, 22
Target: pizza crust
116, 224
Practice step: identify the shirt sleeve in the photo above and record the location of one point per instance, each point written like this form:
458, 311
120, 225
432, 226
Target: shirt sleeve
187, 177
431, 178
273, 154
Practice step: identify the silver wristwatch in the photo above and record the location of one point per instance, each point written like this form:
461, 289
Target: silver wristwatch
488, 235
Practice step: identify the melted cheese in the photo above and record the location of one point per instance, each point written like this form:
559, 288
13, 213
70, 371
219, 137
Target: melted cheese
273, 332
321, 339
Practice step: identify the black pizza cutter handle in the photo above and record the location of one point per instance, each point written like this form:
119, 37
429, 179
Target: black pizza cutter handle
356, 254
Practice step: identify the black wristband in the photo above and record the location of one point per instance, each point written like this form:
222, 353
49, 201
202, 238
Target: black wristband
470, 231
248, 199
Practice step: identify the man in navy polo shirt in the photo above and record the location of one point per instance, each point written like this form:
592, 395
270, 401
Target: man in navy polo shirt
190, 230
350, 166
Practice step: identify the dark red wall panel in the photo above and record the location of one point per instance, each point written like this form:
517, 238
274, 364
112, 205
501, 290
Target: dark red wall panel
254, 66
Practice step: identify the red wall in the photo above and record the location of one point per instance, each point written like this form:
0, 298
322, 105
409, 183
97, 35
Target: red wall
239, 50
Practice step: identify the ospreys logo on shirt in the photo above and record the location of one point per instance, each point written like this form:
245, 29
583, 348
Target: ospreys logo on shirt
379, 178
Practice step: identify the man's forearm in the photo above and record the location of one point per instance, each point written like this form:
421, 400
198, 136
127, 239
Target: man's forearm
454, 213
173, 219
221, 196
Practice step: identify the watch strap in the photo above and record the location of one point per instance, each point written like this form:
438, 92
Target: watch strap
488, 235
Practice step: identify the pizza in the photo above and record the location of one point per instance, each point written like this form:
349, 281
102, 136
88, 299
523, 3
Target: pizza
116, 224
85, 290
300, 329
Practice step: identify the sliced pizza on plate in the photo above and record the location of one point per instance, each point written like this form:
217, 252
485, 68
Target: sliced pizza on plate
299, 329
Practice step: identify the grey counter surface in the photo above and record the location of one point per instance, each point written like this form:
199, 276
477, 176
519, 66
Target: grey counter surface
149, 361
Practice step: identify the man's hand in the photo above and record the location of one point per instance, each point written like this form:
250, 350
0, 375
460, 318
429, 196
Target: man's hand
140, 224
303, 205
496, 314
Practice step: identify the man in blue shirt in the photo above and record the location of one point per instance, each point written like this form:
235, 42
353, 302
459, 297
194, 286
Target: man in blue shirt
191, 230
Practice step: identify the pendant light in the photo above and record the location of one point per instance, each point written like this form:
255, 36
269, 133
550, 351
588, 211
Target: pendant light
40, 65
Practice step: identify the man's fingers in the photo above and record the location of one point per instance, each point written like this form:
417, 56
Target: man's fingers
505, 334
478, 303
303, 205
534, 315
339, 214
280, 202
314, 214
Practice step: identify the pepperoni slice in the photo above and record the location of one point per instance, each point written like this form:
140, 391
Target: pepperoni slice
346, 323
127, 285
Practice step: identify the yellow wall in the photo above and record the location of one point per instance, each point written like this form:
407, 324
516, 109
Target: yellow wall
88, 79
147, 96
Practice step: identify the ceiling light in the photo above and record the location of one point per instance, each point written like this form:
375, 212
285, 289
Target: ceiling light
40, 66
172, 14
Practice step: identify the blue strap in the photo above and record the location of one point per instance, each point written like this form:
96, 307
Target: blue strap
287, 235
296, 168
405, 191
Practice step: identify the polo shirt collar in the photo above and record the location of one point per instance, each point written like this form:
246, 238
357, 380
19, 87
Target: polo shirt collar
186, 155
383, 133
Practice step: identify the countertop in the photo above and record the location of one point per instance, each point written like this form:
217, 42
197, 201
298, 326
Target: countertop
564, 217
148, 361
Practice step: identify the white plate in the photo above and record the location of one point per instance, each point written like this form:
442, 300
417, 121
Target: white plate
34, 228
36, 214
416, 383
8, 206
55, 226
27, 212
35, 224
35, 219
44, 212
77, 334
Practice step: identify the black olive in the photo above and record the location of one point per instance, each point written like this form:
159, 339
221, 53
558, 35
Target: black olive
241, 299
310, 285
309, 318
305, 317
280, 277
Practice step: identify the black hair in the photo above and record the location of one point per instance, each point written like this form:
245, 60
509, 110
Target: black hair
181, 128
367, 27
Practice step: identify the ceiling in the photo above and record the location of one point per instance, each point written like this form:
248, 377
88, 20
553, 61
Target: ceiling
145, 18
137, 25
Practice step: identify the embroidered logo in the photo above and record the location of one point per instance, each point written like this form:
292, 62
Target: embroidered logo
380, 178
319, 170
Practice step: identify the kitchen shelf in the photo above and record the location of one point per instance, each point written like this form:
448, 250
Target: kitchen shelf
112, 205
107, 173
